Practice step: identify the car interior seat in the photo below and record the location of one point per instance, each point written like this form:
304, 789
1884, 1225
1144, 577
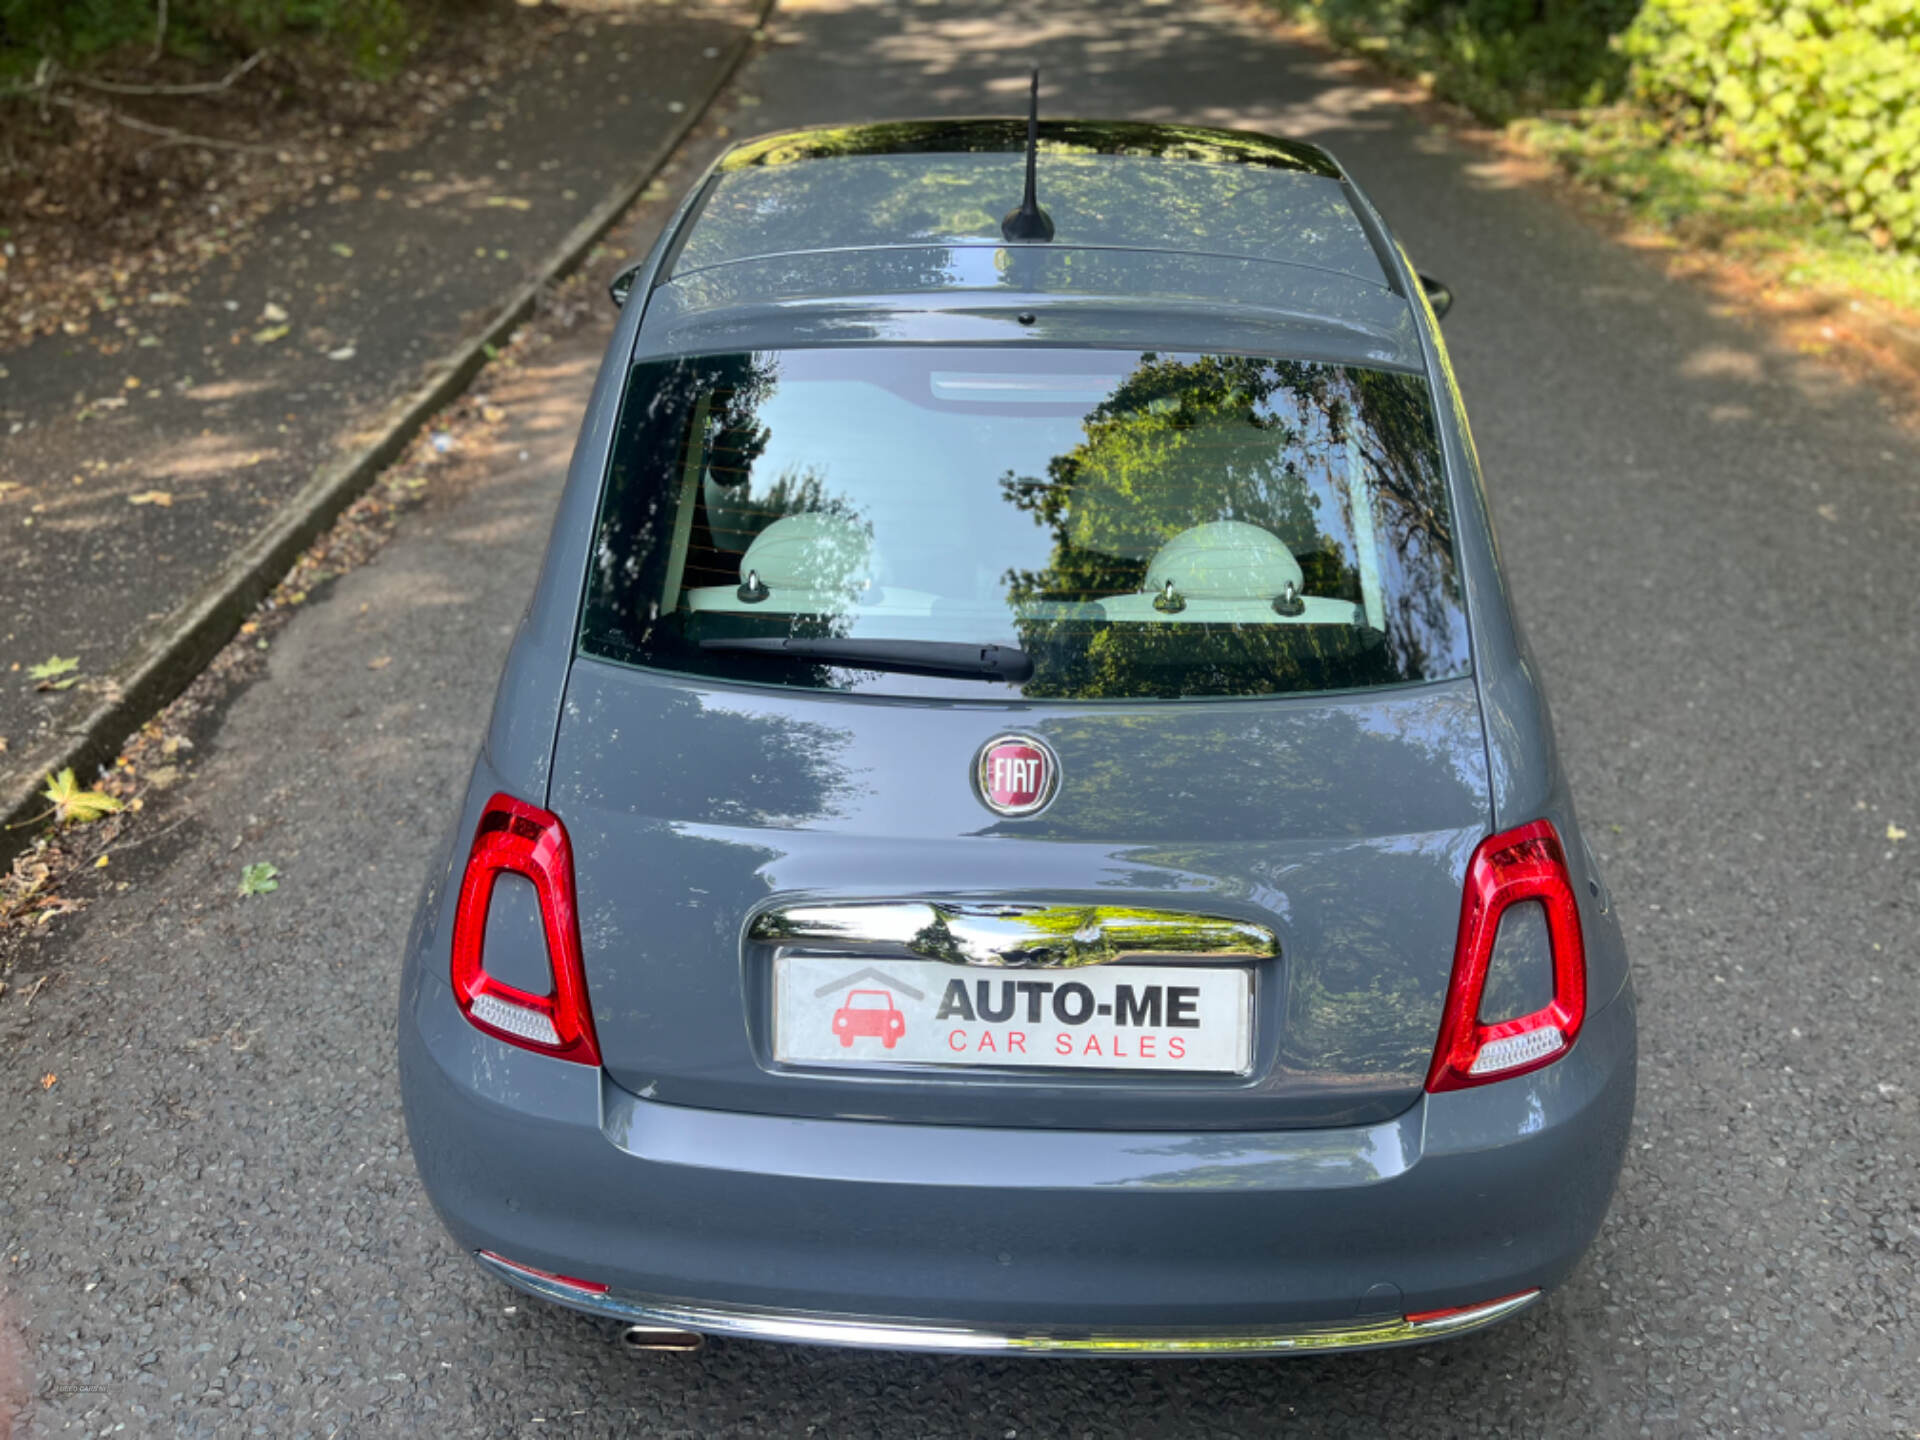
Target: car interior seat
1226, 572
813, 563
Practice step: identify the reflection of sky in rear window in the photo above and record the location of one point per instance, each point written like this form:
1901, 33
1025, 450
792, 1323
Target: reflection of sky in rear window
1032, 521
910, 489
854, 201
925, 475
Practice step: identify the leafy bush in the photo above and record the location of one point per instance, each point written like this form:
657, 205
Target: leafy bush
1826, 90
1500, 58
374, 34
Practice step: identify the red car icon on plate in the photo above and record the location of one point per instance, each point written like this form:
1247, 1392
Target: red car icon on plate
869, 1012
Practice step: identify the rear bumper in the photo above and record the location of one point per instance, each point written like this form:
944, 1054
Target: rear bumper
885, 1333
959, 1238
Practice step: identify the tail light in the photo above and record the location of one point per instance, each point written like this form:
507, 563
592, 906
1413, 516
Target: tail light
586, 1287
1520, 865
519, 839
1439, 1319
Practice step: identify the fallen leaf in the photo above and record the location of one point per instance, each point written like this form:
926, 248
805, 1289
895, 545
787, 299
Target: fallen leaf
49, 1080
1894, 832
345, 352
270, 334
345, 252
379, 662
101, 863
272, 313
133, 382
53, 665
73, 804
509, 202
492, 414
162, 498
260, 878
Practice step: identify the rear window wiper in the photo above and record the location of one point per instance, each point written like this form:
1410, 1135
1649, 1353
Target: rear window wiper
920, 657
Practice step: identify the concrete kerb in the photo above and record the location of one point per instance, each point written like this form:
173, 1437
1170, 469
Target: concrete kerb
167, 656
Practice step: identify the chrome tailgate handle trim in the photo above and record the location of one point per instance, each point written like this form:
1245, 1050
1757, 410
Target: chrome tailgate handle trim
1027, 936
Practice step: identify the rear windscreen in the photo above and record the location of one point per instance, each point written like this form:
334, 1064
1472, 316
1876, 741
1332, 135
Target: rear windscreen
1123, 525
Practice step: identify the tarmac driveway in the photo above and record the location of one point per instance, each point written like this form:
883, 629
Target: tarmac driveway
210, 1223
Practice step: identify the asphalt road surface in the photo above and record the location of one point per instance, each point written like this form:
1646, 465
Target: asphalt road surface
210, 1224
374, 282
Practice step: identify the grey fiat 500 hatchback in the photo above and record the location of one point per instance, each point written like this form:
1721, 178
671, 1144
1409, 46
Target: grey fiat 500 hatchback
1019, 817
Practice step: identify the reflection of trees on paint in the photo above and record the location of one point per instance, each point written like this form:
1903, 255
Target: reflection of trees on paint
1352, 821
1400, 763
784, 770
1185, 441
1200, 192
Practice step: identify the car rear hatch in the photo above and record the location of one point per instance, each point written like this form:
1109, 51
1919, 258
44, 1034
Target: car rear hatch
703, 816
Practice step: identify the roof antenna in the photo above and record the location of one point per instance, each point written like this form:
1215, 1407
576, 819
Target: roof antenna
1030, 222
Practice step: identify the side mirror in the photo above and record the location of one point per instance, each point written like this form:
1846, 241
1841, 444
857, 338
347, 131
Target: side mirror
622, 286
1438, 295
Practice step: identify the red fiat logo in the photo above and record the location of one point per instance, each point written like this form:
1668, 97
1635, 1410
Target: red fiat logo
1016, 774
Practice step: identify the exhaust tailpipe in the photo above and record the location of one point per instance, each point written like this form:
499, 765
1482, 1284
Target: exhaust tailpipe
660, 1340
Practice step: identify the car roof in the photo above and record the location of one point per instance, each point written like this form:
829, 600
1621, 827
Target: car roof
892, 231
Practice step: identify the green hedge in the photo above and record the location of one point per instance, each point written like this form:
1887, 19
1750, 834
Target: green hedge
1500, 58
1825, 90
1823, 94
374, 34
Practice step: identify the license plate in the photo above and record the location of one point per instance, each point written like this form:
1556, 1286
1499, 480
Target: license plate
838, 1011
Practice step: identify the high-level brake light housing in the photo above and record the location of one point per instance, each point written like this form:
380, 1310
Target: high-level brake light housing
514, 838
1528, 863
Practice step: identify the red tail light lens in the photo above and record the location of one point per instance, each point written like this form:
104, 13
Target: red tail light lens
589, 1287
519, 839
1524, 864
1439, 1317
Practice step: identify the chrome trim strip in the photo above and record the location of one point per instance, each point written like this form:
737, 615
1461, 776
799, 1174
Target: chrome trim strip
744, 1322
1012, 934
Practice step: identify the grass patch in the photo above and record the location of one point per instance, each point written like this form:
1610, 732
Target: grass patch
1709, 202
